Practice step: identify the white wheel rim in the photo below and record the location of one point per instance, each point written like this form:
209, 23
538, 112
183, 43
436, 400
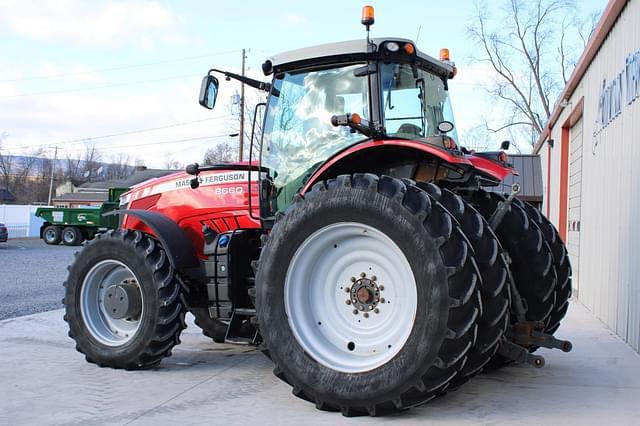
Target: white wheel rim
322, 320
105, 329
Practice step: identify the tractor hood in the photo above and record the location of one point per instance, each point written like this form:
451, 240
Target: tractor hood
182, 181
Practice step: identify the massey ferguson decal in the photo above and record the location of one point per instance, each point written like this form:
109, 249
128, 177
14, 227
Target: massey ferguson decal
206, 179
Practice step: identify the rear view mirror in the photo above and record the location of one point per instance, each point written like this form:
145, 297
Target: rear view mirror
209, 91
505, 145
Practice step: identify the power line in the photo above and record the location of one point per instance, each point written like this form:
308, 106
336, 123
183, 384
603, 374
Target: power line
158, 143
86, 89
123, 67
80, 151
125, 133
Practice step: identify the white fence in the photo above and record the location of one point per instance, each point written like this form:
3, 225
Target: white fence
20, 220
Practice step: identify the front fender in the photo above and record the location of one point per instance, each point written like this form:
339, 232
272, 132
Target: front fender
174, 240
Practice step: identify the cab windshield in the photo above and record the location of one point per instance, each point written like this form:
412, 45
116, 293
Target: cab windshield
298, 135
414, 102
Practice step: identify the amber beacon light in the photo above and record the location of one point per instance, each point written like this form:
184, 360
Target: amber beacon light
367, 16
444, 54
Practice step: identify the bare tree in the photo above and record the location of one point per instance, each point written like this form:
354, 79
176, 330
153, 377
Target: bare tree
252, 99
477, 138
91, 161
72, 167
222, 152
118, 167
139, 163
522, 46
170, 163
18, 173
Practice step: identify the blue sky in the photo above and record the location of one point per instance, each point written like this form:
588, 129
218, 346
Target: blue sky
73, 69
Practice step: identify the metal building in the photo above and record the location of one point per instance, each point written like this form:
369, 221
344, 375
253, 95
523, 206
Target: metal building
589, 150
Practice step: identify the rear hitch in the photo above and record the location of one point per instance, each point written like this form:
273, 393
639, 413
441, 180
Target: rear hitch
503, 207
519, 354
530, 334
523, 335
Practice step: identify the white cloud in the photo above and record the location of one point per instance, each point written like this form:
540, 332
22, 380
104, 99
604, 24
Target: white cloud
294, 19
70, 116
143, 23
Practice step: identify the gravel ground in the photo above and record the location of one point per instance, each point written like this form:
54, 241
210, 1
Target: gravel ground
31, 276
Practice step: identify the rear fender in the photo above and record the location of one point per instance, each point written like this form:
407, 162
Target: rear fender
367, 156
174, 240
491, 168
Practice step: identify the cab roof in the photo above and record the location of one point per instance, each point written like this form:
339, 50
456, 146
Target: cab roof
345, 51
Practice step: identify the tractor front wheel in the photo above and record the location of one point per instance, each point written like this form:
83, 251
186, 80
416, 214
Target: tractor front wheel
367, 296
123, 301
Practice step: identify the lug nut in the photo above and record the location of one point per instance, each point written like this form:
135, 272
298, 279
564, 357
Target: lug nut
376, 310
355, 312
348, 289
382, 300
348, 302
362, 274
373, 278
366, 315
381, 287
353, 279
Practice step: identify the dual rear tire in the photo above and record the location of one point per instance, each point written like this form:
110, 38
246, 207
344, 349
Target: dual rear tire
379, 304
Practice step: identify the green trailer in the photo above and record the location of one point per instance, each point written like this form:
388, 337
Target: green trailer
73, 225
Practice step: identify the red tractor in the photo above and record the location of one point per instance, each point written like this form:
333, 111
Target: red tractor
358, 249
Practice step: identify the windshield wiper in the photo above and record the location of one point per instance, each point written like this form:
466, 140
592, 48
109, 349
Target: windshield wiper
391, 86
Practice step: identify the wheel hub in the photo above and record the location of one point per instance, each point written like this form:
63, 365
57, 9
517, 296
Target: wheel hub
123, 301
365, 294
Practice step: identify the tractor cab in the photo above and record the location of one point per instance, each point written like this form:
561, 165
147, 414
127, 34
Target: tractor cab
372, 105
330, 98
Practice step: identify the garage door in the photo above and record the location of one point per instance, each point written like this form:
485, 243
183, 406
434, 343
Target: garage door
575, 191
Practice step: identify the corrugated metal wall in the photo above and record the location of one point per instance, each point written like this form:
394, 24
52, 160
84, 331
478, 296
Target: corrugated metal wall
575, 196
609, 242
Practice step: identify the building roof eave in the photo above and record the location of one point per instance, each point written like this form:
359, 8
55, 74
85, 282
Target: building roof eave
607, 20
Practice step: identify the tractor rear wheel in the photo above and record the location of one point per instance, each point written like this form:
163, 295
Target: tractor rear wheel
211, 327
561, 262
123, 301
494, 288
367, 296
531, 257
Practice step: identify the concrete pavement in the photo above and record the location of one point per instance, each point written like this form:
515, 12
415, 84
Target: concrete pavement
43, 380
31, 276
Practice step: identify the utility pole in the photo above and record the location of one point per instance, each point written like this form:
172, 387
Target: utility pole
242, 111
53, 167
